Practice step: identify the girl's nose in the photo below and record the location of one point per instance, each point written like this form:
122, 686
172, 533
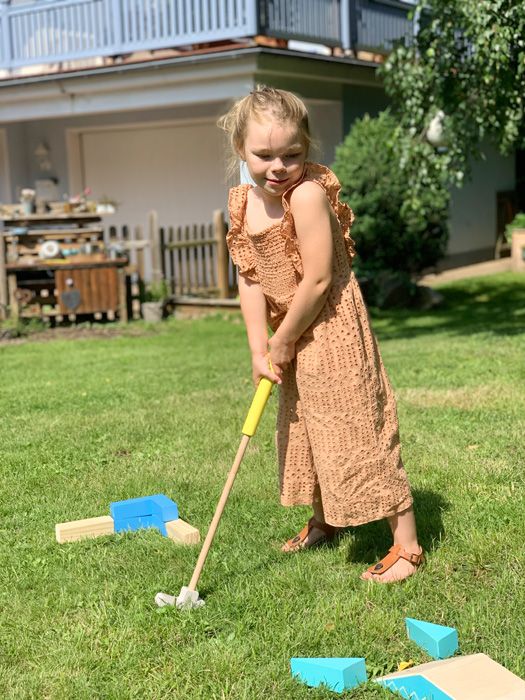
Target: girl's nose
278, 165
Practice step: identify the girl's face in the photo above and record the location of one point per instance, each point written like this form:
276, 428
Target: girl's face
275, 154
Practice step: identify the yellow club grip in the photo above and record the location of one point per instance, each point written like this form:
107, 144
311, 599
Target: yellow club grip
256, 409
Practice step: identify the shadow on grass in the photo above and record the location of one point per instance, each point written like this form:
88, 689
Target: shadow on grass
493, 304
370, 542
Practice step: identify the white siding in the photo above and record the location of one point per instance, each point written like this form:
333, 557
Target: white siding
473, 208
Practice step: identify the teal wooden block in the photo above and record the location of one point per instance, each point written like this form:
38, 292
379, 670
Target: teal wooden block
139, 523
337, 674
438, 641
414, 687
159, 505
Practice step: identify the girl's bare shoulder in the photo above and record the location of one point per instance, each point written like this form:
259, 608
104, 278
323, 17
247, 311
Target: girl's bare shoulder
308, 195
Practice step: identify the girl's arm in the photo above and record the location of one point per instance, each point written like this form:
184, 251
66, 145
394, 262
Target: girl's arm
311, 213
253, 307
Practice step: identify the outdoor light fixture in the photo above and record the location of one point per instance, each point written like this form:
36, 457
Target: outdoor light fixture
42, 153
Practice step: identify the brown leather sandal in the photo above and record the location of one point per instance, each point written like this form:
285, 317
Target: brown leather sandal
395, 553
299, 541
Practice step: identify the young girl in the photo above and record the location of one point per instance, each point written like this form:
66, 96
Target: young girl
337, 430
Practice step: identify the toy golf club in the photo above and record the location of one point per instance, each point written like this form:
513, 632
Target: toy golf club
189, 596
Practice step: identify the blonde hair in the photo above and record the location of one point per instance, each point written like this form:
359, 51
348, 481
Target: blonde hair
280, 104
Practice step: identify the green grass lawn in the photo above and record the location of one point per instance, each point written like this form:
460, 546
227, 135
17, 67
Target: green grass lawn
86, 422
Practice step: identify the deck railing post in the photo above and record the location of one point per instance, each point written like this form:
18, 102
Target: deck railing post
345, 24
116, 12
252, 17
6, 55
222, 253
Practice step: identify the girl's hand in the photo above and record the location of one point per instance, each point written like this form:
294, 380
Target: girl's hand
281, 353
261, 368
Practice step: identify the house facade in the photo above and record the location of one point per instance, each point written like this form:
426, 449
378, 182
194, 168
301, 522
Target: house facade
122, 96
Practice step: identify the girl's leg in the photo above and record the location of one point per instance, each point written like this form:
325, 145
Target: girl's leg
403, 527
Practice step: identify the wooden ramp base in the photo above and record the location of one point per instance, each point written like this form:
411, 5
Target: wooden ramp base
81, 529
473, 677
182, 533
178, 530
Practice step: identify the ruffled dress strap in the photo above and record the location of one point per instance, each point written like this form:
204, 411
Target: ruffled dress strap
323, 176
239, 244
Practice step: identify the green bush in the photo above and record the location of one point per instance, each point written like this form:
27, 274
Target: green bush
398, 232
517, 222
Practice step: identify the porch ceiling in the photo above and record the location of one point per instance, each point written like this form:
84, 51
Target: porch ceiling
182, 80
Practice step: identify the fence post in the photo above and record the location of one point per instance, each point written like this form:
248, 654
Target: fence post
222, 253
3, 280
6, 55
154, 240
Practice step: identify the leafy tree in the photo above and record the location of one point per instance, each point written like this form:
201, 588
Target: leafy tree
395, 239
468, 60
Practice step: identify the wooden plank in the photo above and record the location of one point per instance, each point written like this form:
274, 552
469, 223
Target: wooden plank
3, 279
78, 217
471, 677
82, 529
94, 283
162, 255
122, 295
186, 252
111, 282
202, 257
180, 276
88, 291
140, 251
14, 308
156, 270
222, 253
171, 262
195, 259
77, 277
208, 249
182, 532
60, 286
57, 233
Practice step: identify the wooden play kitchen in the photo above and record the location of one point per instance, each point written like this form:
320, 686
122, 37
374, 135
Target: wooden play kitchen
56, 266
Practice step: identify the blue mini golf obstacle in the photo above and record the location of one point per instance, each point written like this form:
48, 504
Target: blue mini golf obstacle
138, 513
157, 511
335, 673
438, 641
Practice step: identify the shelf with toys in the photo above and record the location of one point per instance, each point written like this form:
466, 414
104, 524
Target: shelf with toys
55, 264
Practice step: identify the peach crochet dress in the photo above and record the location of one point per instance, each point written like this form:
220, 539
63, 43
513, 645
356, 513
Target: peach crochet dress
337, 422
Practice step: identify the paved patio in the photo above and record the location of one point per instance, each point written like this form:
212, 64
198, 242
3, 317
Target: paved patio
490, 267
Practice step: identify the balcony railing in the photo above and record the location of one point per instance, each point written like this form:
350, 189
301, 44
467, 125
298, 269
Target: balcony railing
52, 31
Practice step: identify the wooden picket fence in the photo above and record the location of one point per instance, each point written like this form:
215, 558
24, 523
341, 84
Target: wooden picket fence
194, 259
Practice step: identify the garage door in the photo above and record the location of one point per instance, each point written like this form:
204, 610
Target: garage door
177, 170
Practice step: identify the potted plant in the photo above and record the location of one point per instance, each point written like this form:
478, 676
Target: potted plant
153, 298
27, 200
515, 235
